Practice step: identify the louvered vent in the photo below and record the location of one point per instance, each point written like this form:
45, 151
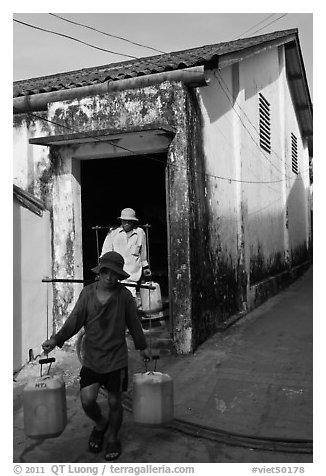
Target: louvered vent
294, 151
264, 124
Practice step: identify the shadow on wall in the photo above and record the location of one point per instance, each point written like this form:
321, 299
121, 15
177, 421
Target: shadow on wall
216, 292
31, 263
17, 288
218, 281
226, 89
298, 222
295, 212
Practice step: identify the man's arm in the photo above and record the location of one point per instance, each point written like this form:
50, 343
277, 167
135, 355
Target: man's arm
134, 325
143, 256
73, 324
108, 243
136, 329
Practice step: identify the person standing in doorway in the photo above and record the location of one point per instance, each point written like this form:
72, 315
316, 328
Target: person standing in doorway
104, 308
130, 241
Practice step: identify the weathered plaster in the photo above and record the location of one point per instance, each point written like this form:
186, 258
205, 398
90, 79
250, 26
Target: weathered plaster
277, 211
214, 284
67, 249
236, 216
32, 166
31, 298
116, 110
259, 216
163, 105
179, 246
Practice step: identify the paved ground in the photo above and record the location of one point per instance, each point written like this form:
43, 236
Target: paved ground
140, 444
254, 379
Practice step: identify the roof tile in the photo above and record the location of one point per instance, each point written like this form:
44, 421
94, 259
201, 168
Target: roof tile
141, 66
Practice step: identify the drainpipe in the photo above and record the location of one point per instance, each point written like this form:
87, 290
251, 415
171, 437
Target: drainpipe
194, 77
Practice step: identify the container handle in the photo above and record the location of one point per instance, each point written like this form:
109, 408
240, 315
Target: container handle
155, 358
48, 360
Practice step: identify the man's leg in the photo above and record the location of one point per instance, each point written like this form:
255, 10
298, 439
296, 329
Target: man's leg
116, 415
113, 450
88, 397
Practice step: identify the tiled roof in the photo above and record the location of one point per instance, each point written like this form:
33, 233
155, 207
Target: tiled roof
203, 55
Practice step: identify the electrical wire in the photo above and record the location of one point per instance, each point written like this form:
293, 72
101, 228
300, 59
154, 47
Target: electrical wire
148, 156
250, 122
251, 151
150, 47
105, 33
74, 39
119, 37
259, 23
219, 80
245, 127
179, 425
265, 207
232, 149
276, 19
229, 95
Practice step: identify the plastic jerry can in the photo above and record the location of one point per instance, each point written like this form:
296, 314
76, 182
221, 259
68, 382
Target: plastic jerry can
44, 405
151, 300
153, 402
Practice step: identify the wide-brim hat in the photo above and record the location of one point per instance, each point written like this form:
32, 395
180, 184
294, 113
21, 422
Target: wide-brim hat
113, 261
128, 214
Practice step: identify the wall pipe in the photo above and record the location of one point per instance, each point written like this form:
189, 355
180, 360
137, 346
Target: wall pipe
38, 102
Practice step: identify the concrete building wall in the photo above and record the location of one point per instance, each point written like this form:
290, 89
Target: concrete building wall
161, 105
265, 201
256, 205
220, 294
221, 155
269, 190
229, 207
297, 187
31, 263
32, 166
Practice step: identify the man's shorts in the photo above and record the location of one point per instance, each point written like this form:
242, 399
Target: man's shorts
116, 381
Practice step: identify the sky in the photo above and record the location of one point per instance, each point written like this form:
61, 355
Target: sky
39, 53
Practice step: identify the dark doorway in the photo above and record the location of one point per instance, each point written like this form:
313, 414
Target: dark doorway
108, 186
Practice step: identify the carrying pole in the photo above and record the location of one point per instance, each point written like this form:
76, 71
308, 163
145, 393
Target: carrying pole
147, 226
47, 359
97, 247
47, 311
88, 281
108, 227
47, 317
96, 228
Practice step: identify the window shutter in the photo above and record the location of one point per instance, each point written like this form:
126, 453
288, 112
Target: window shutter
264, 124
294, 153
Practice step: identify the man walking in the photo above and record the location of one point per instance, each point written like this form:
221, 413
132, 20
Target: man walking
130, 241
104, 308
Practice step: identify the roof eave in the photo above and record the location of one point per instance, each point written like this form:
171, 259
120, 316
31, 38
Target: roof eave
239, 55
298, 83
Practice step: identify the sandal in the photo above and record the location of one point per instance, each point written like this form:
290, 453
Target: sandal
113, 450
96, 439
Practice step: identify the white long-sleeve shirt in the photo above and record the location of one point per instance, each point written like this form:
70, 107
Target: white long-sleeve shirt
132, 246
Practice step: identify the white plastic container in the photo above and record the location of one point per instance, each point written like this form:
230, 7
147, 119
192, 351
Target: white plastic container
45, 409
153, 402
151, 300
